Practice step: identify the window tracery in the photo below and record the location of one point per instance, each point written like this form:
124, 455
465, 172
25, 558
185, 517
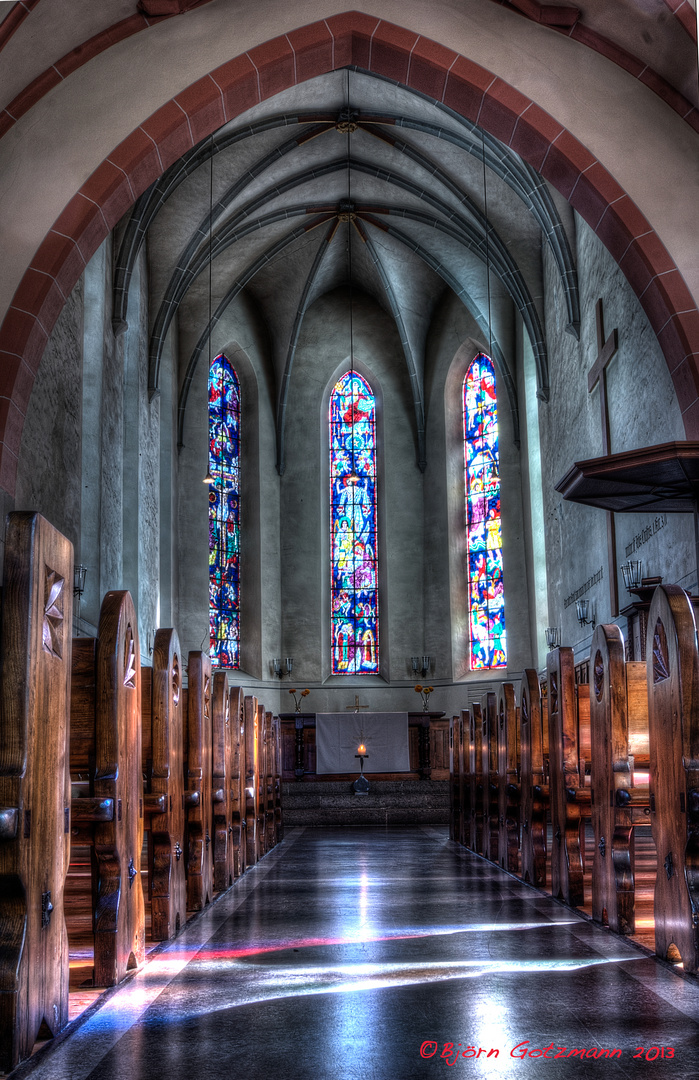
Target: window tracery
224, 515
353, 527
483, 523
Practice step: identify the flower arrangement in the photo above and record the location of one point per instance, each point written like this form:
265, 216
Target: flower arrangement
299, 699
425, 691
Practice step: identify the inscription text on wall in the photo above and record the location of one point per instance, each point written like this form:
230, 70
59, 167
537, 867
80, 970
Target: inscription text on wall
643, 537
584, 588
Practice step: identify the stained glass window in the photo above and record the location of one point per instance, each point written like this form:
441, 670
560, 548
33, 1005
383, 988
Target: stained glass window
224, 515
483, 528
355, 596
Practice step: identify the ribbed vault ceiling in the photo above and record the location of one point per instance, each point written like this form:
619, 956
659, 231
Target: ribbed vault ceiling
423, 199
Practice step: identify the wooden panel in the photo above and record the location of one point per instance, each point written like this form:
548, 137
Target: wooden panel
237, 780
278, 808
534, 791
490, 778
462, 792
251, 781
34, 783
166, 777
673, 708
613, 891
271, 837
119, 915
83, 687
508, 779
454, 809
222, 759
439, 749
564, 777
198, 801
479, 810
261, 779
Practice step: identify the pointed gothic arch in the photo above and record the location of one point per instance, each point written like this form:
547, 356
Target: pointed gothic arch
46, 270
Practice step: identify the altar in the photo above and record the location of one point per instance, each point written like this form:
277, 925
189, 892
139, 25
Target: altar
428, 749
385, 736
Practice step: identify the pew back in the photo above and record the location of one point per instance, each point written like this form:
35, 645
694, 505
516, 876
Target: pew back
164, 772
119, 914
673, 706
198, 798
534, 791
508, 779
34, 783
564, 777
222, 763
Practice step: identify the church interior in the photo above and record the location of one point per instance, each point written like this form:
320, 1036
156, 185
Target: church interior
349, 466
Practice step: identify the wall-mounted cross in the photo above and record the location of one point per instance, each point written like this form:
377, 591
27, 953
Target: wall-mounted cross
356, 707
597, 374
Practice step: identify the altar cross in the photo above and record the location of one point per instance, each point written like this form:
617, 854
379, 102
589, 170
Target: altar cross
597, 374
356, 707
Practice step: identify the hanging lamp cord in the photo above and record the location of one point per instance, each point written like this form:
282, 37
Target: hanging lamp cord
349, 255
487, 246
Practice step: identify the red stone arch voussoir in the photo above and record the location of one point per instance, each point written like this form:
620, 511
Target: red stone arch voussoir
384, 49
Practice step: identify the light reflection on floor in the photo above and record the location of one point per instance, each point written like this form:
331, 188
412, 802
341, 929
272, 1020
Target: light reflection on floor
291, 960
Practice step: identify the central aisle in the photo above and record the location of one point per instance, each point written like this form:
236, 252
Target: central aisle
344, 951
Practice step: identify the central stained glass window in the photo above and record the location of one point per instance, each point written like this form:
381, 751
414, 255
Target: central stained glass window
483, 527
224, 515
355, 595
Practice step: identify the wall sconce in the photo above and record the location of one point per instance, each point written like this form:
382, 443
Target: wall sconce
280, 670
552, 637
586, 614
79, 575
632, 574
421, 665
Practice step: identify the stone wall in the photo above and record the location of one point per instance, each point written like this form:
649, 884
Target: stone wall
49, 472
643, 410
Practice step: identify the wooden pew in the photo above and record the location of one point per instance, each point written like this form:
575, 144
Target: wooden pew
534, 781
464, 788
477, 785
222, 762
238, 781
105, 745
34, 783
508, 779
568, 709
454, 807
491, 827
261, 779
198, 794
270, 832
278, 808
619, 745
673, 713
250, 723
163, 771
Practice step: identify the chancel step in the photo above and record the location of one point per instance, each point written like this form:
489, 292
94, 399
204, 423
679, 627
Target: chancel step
388, 802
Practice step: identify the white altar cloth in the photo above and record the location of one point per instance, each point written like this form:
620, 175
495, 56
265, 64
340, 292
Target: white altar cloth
385, 737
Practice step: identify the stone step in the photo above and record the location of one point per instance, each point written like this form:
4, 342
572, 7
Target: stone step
410, 802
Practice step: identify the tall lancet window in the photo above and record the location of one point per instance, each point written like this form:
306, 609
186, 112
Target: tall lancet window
355, 595
224, 515
484, 533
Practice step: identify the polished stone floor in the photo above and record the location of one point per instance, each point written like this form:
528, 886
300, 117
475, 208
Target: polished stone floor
349, 953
